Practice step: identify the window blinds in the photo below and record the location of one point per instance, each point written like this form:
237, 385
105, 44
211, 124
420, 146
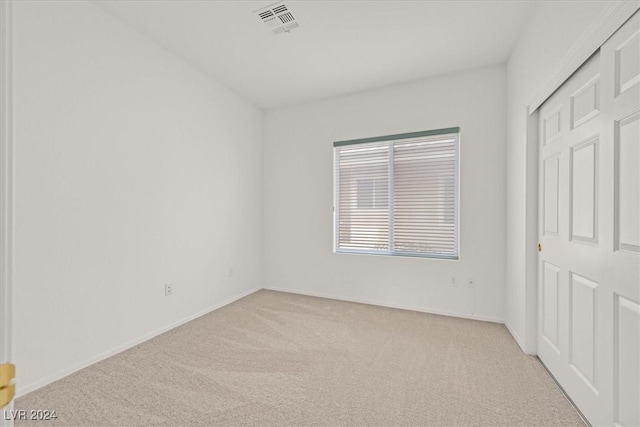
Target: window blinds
398, 195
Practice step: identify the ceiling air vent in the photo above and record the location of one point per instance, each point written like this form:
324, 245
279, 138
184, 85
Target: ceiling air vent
278, 18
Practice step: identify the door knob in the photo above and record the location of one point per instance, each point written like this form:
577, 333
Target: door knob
539, 247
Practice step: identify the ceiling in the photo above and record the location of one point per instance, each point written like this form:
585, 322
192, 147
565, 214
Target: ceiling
341, 47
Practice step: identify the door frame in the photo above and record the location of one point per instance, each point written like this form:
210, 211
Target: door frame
6, 187
610, 19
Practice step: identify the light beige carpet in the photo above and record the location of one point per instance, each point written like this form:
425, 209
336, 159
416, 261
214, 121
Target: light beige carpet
281, 359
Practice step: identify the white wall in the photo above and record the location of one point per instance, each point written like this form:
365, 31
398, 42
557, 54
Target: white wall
132, 170
298, 195
553, 29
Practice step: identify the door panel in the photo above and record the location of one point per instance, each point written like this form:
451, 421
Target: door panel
582, 331
628, 183
550, 199
627, 63
585, 103
627, 372
551, 125
584, 203
589, 267
550, 306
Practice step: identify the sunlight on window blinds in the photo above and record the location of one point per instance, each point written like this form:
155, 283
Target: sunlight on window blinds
398, 195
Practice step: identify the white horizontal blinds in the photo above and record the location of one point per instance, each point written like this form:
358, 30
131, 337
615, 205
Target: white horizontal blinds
424, 195
398, 195
362, 209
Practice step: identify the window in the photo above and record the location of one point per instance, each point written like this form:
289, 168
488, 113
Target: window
398, 194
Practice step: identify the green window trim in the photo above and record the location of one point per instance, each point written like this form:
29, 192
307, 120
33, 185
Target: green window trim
397, 136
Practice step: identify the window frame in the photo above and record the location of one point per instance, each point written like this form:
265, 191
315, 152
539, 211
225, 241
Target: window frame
391, 139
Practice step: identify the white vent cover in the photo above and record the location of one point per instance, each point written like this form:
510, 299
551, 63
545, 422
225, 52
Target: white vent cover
278, 18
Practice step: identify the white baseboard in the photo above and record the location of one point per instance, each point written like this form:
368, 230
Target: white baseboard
515, 336
401, 307
23, 390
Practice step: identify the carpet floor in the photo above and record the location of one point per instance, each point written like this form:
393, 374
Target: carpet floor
279, 359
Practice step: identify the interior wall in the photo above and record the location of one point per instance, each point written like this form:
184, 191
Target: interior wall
132, 170
298, 194
552, 30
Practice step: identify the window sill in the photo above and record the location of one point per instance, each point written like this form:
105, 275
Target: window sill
400, 255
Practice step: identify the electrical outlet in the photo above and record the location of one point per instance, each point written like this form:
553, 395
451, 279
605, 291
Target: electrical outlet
168, 290
453, 282
230, 272
471, 283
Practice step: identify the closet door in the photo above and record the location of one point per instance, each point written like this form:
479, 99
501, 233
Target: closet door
589, 259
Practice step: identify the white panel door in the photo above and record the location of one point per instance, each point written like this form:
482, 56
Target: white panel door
589, 227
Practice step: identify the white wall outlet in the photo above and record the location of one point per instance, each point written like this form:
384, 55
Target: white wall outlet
471, 283
453, 282
230, 272
168, 289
